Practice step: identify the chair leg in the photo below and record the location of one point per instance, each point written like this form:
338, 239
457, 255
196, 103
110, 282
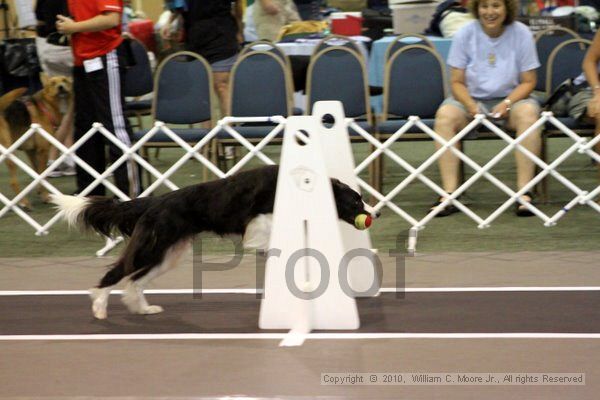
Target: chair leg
461, 170
145, 155
376, 173
544, 184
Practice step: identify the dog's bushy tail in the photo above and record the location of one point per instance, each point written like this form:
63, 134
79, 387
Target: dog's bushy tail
10, 97
102, 214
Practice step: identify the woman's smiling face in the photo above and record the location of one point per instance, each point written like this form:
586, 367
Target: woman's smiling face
492, 14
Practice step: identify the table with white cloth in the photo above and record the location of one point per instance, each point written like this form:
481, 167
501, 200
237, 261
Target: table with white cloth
305, 47
377, 61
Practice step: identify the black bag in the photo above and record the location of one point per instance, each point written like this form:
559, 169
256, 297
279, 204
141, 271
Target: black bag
19, 58
19, 65
558, 101
375, 22
58, 39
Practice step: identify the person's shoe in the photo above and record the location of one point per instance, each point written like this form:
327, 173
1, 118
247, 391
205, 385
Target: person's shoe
68, 167
229, 153
57, 172
68, 170
446, 211
522, 210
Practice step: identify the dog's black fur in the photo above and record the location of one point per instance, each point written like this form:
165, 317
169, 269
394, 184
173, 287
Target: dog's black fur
224, 206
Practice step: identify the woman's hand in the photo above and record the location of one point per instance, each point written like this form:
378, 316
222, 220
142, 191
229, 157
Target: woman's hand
500, 110
65, 25
473, 108
593, 107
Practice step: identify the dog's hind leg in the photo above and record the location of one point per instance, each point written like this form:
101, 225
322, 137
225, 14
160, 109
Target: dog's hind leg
14, 184
39, 159
99, 294
133, 295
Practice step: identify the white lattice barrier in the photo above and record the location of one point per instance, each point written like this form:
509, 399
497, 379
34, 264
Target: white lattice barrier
129, 153
226, 126
580, 145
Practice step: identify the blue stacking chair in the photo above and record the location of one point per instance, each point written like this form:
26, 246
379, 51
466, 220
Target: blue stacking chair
339, 73
414, 85
138, 81
183, 98
400, 42
266, 45
260, 86
545, 42
337, 40
564, 63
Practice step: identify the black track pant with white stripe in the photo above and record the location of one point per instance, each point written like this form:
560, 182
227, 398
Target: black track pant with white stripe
99, 98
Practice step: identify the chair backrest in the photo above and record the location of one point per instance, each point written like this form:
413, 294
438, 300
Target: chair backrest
138, 79
265, 45
260, 86
337, 40
339, 73
565, 62
545, 42
406, 39
414, 82
183, 90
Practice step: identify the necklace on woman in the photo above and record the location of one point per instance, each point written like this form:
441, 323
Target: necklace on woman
491, 58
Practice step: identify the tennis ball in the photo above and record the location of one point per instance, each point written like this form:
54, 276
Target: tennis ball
362, 221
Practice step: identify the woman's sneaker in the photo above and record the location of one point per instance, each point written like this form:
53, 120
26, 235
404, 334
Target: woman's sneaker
66, 168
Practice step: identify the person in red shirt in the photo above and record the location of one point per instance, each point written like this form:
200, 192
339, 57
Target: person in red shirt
100, 55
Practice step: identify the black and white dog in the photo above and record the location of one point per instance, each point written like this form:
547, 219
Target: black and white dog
161, 228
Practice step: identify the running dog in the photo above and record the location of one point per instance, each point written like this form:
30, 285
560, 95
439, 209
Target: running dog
161, 229
46, 107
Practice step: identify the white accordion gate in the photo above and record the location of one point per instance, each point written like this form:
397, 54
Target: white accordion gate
580, 145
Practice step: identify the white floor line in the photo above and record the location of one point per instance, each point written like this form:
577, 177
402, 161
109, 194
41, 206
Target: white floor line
313, 336
254, 291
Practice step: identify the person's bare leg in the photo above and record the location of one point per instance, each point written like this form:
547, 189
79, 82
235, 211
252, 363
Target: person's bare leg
521, 118
448, 121
64, 132
221, 83
597, 146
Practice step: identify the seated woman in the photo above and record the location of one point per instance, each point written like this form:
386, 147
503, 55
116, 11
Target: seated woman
585, 103
493, 61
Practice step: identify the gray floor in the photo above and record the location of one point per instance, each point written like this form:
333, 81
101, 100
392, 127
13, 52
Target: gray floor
262, 369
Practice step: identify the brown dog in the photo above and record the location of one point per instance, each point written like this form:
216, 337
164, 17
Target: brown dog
46, 108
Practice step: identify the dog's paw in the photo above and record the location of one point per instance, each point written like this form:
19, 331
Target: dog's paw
99, 311
99, 302
45, 197
151, 310
25, 206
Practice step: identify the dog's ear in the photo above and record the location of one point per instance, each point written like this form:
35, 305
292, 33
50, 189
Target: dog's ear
44, 78
336, 182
